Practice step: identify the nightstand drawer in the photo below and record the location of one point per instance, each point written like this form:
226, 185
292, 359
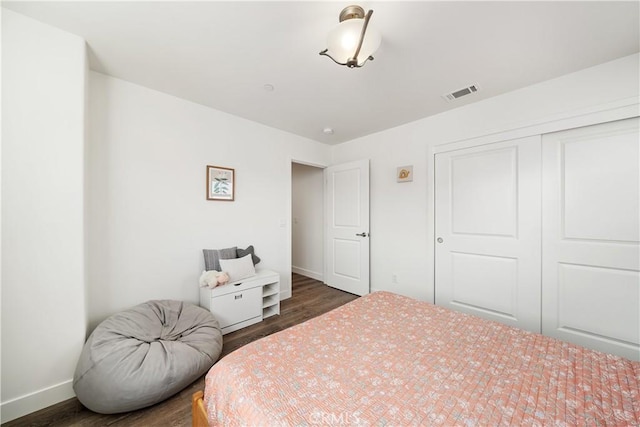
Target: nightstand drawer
237, 307
245, 302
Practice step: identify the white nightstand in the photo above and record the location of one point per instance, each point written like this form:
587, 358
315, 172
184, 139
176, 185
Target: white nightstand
243, 303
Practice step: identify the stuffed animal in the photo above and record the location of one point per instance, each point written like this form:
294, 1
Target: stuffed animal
213, 278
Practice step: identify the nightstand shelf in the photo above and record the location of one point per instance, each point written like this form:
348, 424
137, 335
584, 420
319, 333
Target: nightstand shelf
239, 304
270, 311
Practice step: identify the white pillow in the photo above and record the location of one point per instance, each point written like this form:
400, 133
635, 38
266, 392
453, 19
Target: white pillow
238, 268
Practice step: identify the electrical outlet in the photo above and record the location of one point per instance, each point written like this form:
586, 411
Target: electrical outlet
394, 278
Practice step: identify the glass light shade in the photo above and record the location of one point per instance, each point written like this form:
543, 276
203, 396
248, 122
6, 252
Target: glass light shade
342, 41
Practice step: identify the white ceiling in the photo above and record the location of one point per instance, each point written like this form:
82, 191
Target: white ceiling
222, 54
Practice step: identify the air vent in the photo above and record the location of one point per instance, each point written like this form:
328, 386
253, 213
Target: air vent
461, 92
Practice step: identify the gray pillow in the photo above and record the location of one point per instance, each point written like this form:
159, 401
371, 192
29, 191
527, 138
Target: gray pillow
242, 252
212, 257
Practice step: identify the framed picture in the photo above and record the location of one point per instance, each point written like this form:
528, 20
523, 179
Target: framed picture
221, 183
404, 173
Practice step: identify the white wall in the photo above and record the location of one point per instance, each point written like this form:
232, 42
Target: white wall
43, 306
401, 214
148, 215
307, 207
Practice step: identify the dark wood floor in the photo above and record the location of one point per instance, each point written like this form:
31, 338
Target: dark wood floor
310, 299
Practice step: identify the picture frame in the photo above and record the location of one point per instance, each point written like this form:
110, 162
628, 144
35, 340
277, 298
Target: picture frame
221, 183
404, 173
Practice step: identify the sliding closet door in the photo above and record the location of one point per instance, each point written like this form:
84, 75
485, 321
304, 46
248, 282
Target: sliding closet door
591, 257
488, 231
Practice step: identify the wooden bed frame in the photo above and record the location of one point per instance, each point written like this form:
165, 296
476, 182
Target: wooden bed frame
198, 412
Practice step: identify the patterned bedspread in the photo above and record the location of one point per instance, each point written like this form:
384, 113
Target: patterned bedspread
385, 359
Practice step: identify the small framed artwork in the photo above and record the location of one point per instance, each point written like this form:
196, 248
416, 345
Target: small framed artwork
404, 174
221, 183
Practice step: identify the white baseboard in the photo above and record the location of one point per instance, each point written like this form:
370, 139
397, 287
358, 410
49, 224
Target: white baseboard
308, 273
32, 402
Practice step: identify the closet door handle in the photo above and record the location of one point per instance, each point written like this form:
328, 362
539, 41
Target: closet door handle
363, 234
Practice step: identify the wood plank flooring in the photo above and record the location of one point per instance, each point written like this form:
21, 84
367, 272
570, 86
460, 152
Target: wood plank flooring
310, 299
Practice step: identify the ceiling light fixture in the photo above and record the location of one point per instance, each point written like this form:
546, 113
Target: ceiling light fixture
353, 38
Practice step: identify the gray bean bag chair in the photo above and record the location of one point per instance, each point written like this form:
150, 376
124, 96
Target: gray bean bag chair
145, 354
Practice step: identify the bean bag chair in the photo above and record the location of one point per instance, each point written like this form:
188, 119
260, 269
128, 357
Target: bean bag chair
143, 355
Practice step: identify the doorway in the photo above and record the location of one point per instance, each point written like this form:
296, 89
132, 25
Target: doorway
330, 225
307, 221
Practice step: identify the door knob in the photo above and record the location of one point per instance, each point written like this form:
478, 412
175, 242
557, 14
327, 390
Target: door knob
440, 240
363, 234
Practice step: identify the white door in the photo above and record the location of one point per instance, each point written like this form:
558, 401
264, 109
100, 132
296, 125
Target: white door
591, 256
487, 231
347, 227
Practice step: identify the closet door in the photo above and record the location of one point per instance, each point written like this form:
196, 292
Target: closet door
487, 245
591, 257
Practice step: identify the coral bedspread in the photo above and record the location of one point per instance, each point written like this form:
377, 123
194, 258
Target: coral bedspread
385, 359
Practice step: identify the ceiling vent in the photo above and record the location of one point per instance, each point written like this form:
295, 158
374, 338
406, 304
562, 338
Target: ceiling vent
461, 92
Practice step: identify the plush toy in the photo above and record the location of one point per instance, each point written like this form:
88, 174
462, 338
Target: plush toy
213, 278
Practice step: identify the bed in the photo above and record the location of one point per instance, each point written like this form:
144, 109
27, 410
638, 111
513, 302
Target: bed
385, 359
